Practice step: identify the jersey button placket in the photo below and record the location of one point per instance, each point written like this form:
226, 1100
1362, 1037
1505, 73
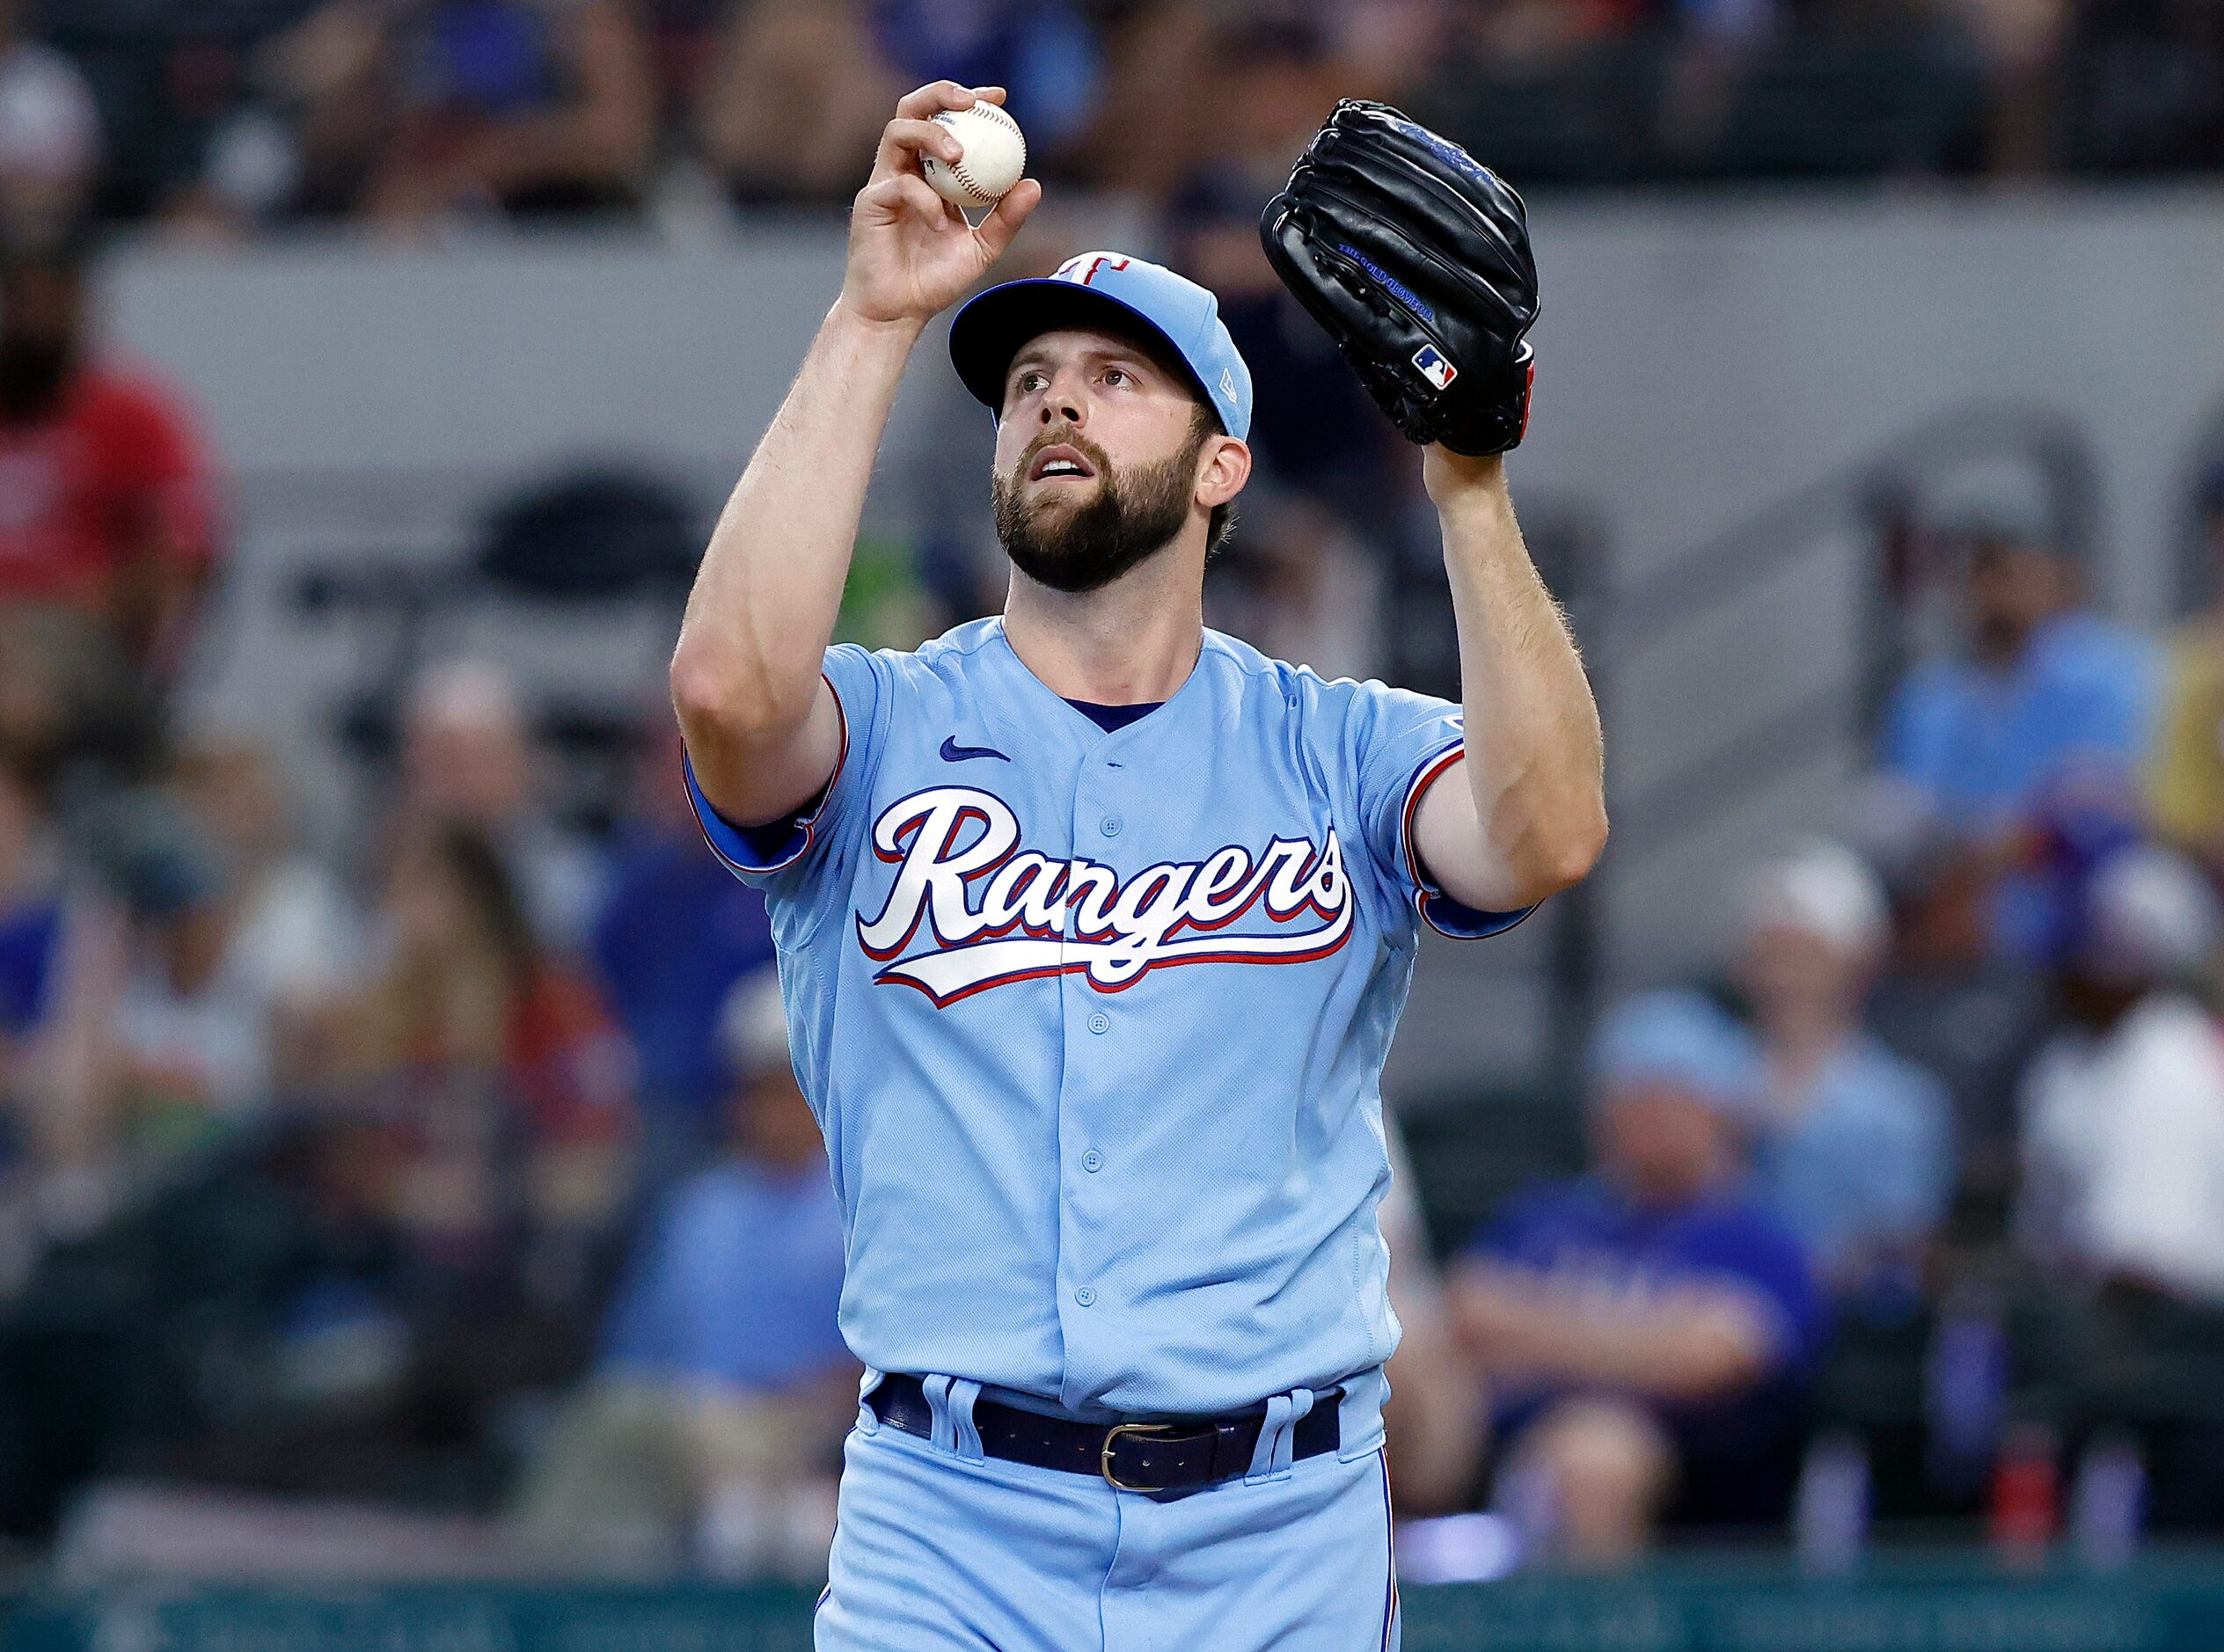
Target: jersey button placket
1083, 1219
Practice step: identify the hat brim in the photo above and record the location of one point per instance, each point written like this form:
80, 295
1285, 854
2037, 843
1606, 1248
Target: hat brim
993, 326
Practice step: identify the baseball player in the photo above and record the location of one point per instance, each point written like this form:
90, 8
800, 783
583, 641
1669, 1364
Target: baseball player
1095, 924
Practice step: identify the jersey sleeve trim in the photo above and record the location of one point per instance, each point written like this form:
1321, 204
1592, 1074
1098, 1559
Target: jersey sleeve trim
760, 851
1447, 917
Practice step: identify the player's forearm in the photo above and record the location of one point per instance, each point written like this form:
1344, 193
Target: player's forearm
763, 609
1535, 760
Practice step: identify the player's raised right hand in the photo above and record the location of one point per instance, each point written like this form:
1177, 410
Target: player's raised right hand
912, 253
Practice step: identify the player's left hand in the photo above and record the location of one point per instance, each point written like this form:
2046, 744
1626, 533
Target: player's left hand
1416, 258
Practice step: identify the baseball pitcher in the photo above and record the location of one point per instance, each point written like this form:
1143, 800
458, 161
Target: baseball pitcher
1095, 924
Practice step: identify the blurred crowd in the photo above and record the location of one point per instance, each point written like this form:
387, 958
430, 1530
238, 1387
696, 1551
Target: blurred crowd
226, 117
470, 1143
457, 1165
1939, 1158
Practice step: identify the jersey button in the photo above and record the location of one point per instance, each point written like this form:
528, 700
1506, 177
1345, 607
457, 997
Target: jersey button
1111, 827
1086, 1296
1100, 1022
1093, 1161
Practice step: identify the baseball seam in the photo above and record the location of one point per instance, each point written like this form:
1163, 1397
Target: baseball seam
981, 197
957, 168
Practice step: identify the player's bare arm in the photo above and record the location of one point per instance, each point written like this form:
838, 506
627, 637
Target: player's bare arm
1416, 258
1532, 817
763, 730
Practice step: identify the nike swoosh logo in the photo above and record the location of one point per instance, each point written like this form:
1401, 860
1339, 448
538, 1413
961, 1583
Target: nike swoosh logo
952, 752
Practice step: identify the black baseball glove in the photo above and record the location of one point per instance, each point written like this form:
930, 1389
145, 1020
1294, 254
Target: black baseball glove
1415, 258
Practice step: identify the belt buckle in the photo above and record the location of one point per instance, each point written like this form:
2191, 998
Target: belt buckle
1111, 1437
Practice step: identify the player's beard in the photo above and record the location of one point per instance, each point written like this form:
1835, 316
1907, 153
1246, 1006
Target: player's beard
1133, 515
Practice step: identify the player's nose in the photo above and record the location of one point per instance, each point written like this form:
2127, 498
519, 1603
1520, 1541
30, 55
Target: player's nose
1064, 400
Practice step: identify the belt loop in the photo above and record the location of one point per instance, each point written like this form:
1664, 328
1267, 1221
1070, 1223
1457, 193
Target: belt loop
868, 1420
965, 1436
1273, 1435
1286, 1449
937, 1390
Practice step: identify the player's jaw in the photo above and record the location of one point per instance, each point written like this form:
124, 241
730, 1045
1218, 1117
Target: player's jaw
1069, 519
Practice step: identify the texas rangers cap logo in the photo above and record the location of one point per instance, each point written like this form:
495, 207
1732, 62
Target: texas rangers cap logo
994, 913
1434, 368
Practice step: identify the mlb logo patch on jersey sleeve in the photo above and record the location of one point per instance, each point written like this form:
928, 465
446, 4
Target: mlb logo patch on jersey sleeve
1434, 368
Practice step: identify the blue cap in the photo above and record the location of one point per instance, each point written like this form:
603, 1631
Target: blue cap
1679, 1038
1105, 289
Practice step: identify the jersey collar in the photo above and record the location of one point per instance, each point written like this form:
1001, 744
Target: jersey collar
1091, 729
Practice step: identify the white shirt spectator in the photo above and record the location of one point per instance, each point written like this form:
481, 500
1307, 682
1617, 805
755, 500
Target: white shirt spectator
2123, 1150
297, 944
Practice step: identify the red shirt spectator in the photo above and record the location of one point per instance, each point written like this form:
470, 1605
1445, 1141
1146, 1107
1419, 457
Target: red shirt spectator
111, 475
104, 499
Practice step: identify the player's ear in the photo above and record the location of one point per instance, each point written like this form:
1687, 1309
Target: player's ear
1223, 468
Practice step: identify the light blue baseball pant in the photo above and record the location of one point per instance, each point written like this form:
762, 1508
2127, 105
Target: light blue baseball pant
940, 1548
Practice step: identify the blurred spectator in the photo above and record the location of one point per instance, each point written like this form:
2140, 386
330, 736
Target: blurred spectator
2044, 683
1946, 1000
509, 1094
536, 106
2029, 734
30, 916
2144, 88
1856, 1155
50, 133
319, 103
189, 1045
2020, 41
1650, 1332
2185, 778
2123, 1144
151, 1050
296, 940
32, 928
794, 108
1434, 1415
1161, 60
467, 759
676, 934
106, 511
1316, 433
1274, 80
714, 1419
1045, 53
1303, 575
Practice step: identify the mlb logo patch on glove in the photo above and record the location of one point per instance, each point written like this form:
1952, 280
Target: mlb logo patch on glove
1434, 368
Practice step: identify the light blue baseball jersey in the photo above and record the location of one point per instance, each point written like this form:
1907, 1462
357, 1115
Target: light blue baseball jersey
1094, 1022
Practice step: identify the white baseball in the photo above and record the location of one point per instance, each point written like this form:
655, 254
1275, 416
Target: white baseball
994, 156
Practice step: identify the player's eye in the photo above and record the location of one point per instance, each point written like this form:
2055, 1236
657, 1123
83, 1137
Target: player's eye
1028, 383
1116, 376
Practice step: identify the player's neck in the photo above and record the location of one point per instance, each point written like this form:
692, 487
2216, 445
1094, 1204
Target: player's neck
1132, 642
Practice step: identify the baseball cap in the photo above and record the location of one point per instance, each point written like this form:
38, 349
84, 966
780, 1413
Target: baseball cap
1824, 890
2150, 915
1679, 1038
1105, 289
